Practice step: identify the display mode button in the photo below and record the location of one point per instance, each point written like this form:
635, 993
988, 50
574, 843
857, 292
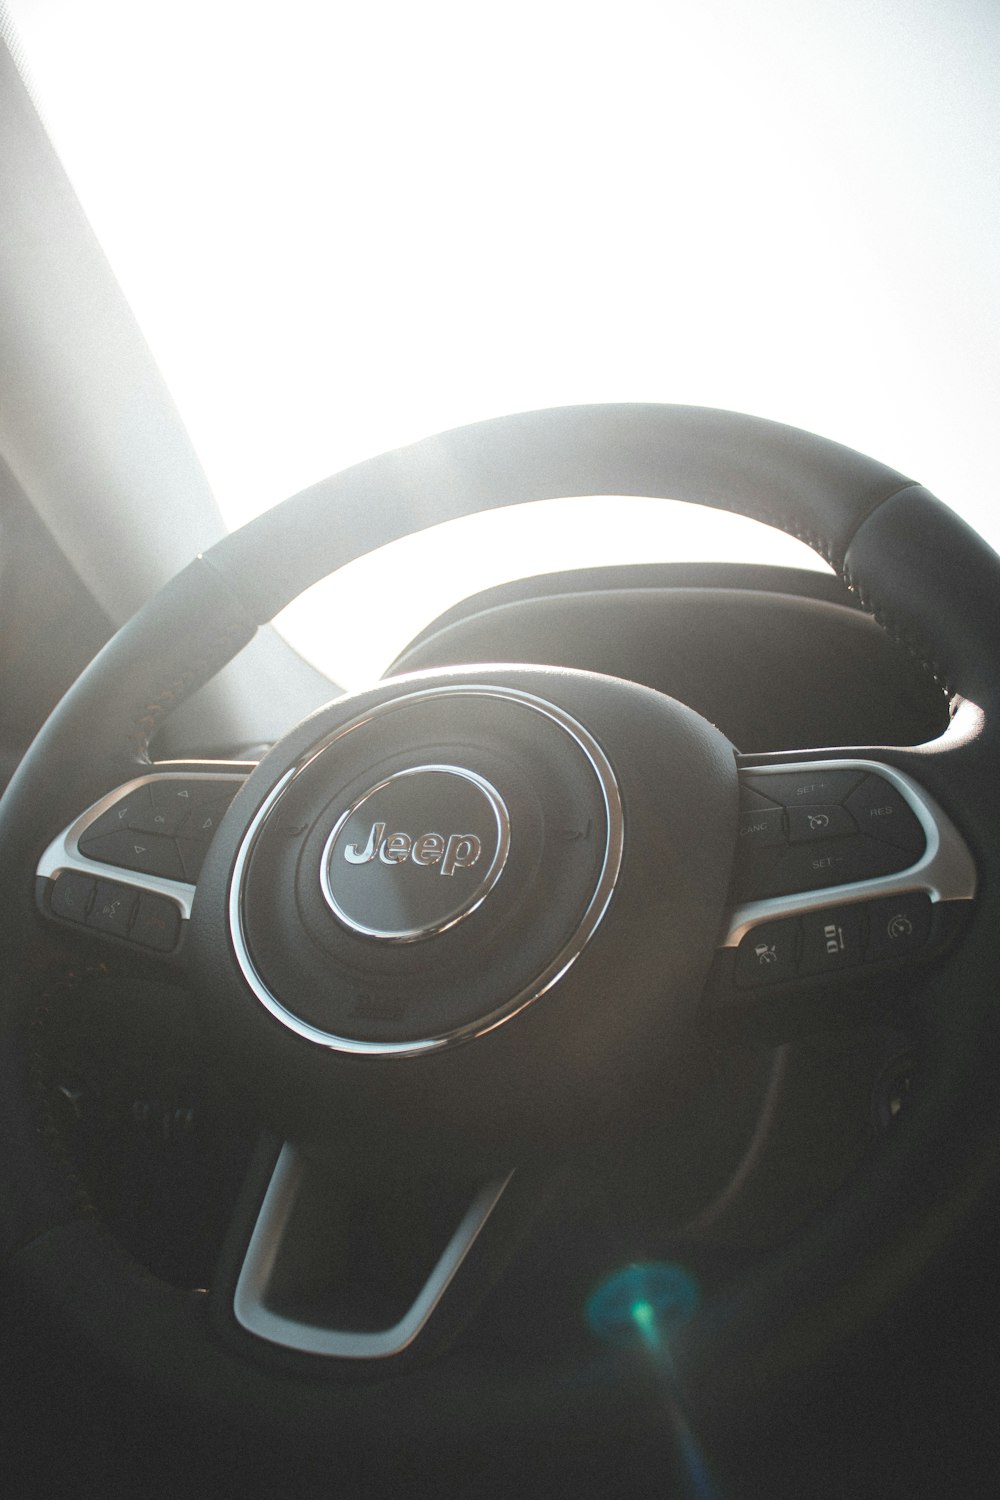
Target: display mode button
832, 939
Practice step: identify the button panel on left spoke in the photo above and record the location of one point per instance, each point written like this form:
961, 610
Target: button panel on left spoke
127, 868
162, 828
143, 917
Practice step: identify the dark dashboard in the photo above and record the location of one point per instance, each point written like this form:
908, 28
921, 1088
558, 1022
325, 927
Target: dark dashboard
775, 657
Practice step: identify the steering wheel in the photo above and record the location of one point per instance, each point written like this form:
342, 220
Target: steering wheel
453, 926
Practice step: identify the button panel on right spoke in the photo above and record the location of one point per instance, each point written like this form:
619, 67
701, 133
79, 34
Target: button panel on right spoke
834, 939
803, 831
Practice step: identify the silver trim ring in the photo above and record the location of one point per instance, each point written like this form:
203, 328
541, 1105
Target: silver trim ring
493, 872
589, 922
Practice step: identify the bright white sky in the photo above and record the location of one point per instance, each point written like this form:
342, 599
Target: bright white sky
343, 227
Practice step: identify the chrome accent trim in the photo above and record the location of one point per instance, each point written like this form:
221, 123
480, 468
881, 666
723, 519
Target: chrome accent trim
64, 852
489, 880
250, 1299
945, 870
589, 922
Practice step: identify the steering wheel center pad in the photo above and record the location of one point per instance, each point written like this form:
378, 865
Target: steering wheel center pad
501, 833
621, 838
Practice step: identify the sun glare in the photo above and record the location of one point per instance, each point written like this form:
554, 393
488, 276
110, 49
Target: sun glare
343, 228
353, 624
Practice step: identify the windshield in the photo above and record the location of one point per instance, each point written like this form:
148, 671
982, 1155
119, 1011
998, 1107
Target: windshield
343, 228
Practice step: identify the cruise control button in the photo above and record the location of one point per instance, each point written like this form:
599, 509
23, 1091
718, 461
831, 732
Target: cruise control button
112, 908
898, 925
751, 800
808, 786
71, 896
884, 813
767, 954
819, 821
761, 829
148, 852
157, 923
832, 939
809, 867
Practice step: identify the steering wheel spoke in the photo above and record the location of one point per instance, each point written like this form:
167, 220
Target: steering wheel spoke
127, 868
847, 869
360, 1267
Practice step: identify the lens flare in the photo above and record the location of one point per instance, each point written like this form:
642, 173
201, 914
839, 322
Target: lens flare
641, 1305
638, 1308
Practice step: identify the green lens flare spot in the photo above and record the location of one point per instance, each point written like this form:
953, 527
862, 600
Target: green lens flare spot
641, 1305
643, 1314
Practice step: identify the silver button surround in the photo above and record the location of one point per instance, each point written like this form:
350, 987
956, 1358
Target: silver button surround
591, 918
945, 871
64, 852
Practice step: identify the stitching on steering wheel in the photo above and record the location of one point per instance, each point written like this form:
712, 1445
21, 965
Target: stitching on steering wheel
901, 634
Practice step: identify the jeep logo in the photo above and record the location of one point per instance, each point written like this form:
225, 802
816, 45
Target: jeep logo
406, 902
459, 851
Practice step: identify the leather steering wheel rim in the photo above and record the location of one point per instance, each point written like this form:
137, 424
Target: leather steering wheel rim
926, 577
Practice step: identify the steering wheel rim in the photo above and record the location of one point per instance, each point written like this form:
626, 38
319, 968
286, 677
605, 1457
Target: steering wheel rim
877, 529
